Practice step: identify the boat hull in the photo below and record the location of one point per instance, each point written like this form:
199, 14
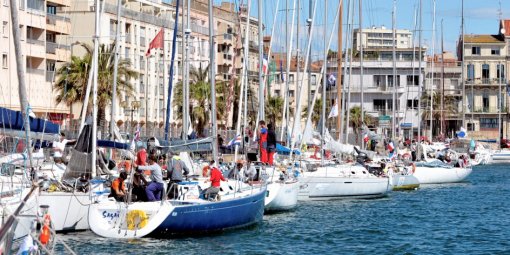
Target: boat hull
328, 188
212, 217
500, 157
438, 175
281, 196
404, 182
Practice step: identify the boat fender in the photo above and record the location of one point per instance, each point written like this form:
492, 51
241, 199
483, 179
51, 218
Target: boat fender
136, 219
413, 167
45, 236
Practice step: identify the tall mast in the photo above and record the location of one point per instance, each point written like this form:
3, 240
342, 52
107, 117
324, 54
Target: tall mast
185, 115
212, 75
351, 54
324, 71
420, 83
115, 69
261, 63
309, 62
171, 76
442, 79
464, 101
243, 74
339, 60
22, 90
500, 95
360, 42
395, 83
433, 70
94, 90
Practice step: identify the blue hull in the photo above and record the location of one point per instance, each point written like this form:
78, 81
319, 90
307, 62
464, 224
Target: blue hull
205, 218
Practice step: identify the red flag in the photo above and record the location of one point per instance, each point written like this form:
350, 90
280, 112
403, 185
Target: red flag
157, 42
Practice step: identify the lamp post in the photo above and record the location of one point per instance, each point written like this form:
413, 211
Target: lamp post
135, 105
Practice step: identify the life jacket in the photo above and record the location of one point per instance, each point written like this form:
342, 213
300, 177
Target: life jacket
263, 138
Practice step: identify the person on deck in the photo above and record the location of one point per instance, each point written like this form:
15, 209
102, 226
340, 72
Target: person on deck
250, 173
271, 143
139, 185
236, 172
215, 179
59, 148
118, 190
155, 188
263, 142
176, 171
141, 156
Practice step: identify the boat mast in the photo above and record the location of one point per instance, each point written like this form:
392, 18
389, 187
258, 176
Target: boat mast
171, 76
115, 69
22, 90
442, 79
360, 42
95, 57
261, 63
395, 83
339, 100
464, 101
212, 75
350, 31
500, 95
243, 74
324, 71
420, 83
185, 84
431, 89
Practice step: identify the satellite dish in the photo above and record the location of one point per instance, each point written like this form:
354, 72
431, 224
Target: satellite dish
503, 31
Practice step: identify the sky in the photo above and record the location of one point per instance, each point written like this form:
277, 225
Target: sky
481, 17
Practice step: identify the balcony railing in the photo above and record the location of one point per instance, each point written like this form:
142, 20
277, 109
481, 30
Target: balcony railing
50, 76
486, 81
142, 41
486, 110
128, 38
35, 41
51, 47
51, 19
35, 71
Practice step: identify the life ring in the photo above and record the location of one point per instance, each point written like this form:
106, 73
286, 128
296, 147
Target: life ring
406, 156
136, 219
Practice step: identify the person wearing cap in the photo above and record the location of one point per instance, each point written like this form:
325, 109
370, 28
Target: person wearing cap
215, 179
155, 188
139, 185
118, 190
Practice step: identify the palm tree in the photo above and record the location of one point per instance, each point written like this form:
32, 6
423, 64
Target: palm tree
72, 79
273, 108
317, 111
356, 123
448, 107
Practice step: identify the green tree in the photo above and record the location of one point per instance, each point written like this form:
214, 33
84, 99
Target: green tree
317, 112
274, 109
72, 79
356, 123
449, 107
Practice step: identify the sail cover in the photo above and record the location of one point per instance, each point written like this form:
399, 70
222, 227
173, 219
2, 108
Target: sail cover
10, 119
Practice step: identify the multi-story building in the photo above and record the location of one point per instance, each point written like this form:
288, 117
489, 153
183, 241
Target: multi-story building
381, 37
44, 27
485, 62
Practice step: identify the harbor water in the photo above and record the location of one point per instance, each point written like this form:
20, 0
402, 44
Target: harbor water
471, 217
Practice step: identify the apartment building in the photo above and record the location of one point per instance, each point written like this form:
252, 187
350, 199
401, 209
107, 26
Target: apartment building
140, 22
381, 37
485, 61
44, 26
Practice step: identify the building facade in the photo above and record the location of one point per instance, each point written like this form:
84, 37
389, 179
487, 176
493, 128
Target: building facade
44, 27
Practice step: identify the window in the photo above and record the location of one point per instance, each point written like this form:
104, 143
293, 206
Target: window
413, 80
475, 50
314, 80
51, 9
126, 52
390, 80
485, 73
412, 104
470, 72
291, 78
291, 93
454, 82
379, 80
495, 51
5, 63
379, 105
5, 29
489, 123
500, 71
277, 92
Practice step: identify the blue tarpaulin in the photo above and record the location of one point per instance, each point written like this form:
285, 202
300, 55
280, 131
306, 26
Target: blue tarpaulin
10, 119
280, 149
112, 144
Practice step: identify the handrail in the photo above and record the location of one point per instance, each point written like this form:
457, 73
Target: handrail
11, 220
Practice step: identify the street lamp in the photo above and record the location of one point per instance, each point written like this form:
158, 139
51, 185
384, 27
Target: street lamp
135, 105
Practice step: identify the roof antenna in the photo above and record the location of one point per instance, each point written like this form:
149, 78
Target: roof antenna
500, 14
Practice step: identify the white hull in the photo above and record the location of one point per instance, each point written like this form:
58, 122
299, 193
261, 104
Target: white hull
69, 211
281, 196
500, 156
337, 182
404, 182
437, 175
25, 218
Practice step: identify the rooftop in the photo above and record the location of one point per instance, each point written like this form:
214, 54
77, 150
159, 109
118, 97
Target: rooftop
483, 39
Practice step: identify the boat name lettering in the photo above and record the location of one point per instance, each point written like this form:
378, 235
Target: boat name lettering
110, 215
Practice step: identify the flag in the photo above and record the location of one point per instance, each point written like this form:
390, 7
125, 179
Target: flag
281, 71
264, 65
334, 111
390, 146
157, 42
234, 141
137, 133
365, 138
331, 80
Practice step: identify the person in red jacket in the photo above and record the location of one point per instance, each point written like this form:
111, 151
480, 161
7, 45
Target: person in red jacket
264, 157
215, 179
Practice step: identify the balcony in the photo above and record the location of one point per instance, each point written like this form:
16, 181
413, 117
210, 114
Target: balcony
50, 75
142, 41
35, 71
487, 110
36, 48
128, 38
66, 3
486, 82
59, 24
58, 52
